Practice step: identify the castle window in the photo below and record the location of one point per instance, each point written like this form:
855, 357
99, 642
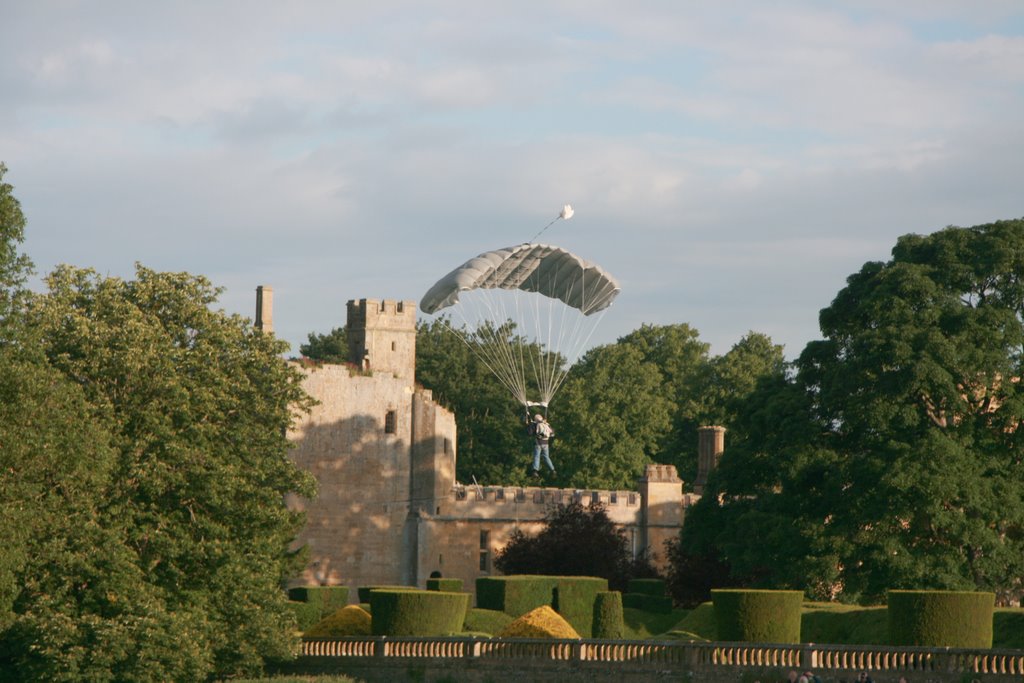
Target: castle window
399, 306
447, 444
631, 500
390, 422
393, 345
613, 497
520, 496
595, 498
485, 538
499, 494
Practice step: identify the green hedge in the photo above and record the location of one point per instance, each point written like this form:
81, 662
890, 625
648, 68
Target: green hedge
574, 600
515, 595
659, 604
324, 600
445, 585
941, 618
758, 616
364, 591
418, 613
571, 596
608, 622
646, 587
486, 621
306, 614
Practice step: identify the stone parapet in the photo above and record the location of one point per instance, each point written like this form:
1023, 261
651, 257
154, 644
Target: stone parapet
471, 659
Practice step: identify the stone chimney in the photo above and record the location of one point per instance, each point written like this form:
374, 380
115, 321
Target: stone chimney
265, 309
710, 444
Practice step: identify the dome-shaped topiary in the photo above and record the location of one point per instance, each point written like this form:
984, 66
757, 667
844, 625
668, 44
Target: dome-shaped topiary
542, 622
348, 621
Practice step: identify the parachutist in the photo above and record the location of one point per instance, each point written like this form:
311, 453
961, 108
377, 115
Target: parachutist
541, 432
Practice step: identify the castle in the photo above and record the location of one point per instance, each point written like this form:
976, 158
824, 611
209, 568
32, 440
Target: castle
389, 510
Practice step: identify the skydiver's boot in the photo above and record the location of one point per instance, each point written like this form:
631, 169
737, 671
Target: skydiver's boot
534, 474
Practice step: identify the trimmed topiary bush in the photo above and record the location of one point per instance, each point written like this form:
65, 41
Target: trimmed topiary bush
515, 595
646, 587
486, 621
542, 622
347, 621
757, 616
306, 614
941, 618
364, 591
445, 585
574, 600
417, 613
325, 600
608, 621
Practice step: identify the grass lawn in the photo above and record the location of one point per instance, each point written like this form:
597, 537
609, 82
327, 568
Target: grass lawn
640, 625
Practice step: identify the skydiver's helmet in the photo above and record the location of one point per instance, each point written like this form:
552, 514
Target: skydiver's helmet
538, 418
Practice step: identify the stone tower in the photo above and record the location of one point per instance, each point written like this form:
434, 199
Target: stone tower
382, 336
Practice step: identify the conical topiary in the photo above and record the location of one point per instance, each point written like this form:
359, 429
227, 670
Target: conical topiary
542, 622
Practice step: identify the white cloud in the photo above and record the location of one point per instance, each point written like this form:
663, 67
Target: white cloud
732, 165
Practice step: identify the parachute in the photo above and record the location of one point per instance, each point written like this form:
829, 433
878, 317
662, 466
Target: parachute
549, 294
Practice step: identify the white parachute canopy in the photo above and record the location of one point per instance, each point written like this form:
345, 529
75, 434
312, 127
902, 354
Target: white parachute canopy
551, 296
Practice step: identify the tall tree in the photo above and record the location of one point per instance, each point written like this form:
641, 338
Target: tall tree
14, 266
682, 360
197, 403
610, 419
892, 458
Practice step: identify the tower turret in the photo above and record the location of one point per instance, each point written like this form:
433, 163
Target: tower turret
382, 336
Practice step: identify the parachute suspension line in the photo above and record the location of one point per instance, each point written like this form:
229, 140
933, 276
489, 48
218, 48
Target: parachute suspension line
507, 380
566, 214
494, 343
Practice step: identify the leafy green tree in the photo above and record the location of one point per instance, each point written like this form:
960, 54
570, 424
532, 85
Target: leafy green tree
611, 418
327, 348
197, 404
891, 458
14, 267
682, 361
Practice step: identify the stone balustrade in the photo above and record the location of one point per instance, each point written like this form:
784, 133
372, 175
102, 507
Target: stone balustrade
700, 660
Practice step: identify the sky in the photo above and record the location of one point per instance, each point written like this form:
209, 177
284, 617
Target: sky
731, 163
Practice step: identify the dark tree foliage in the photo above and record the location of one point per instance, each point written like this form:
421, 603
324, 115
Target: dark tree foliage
892, 456
575, 541
327, 348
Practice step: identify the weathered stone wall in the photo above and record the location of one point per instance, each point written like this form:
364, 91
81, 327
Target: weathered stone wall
354, 527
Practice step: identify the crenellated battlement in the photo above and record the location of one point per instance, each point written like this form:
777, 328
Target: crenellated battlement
530, 503
543, 496
382, 314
